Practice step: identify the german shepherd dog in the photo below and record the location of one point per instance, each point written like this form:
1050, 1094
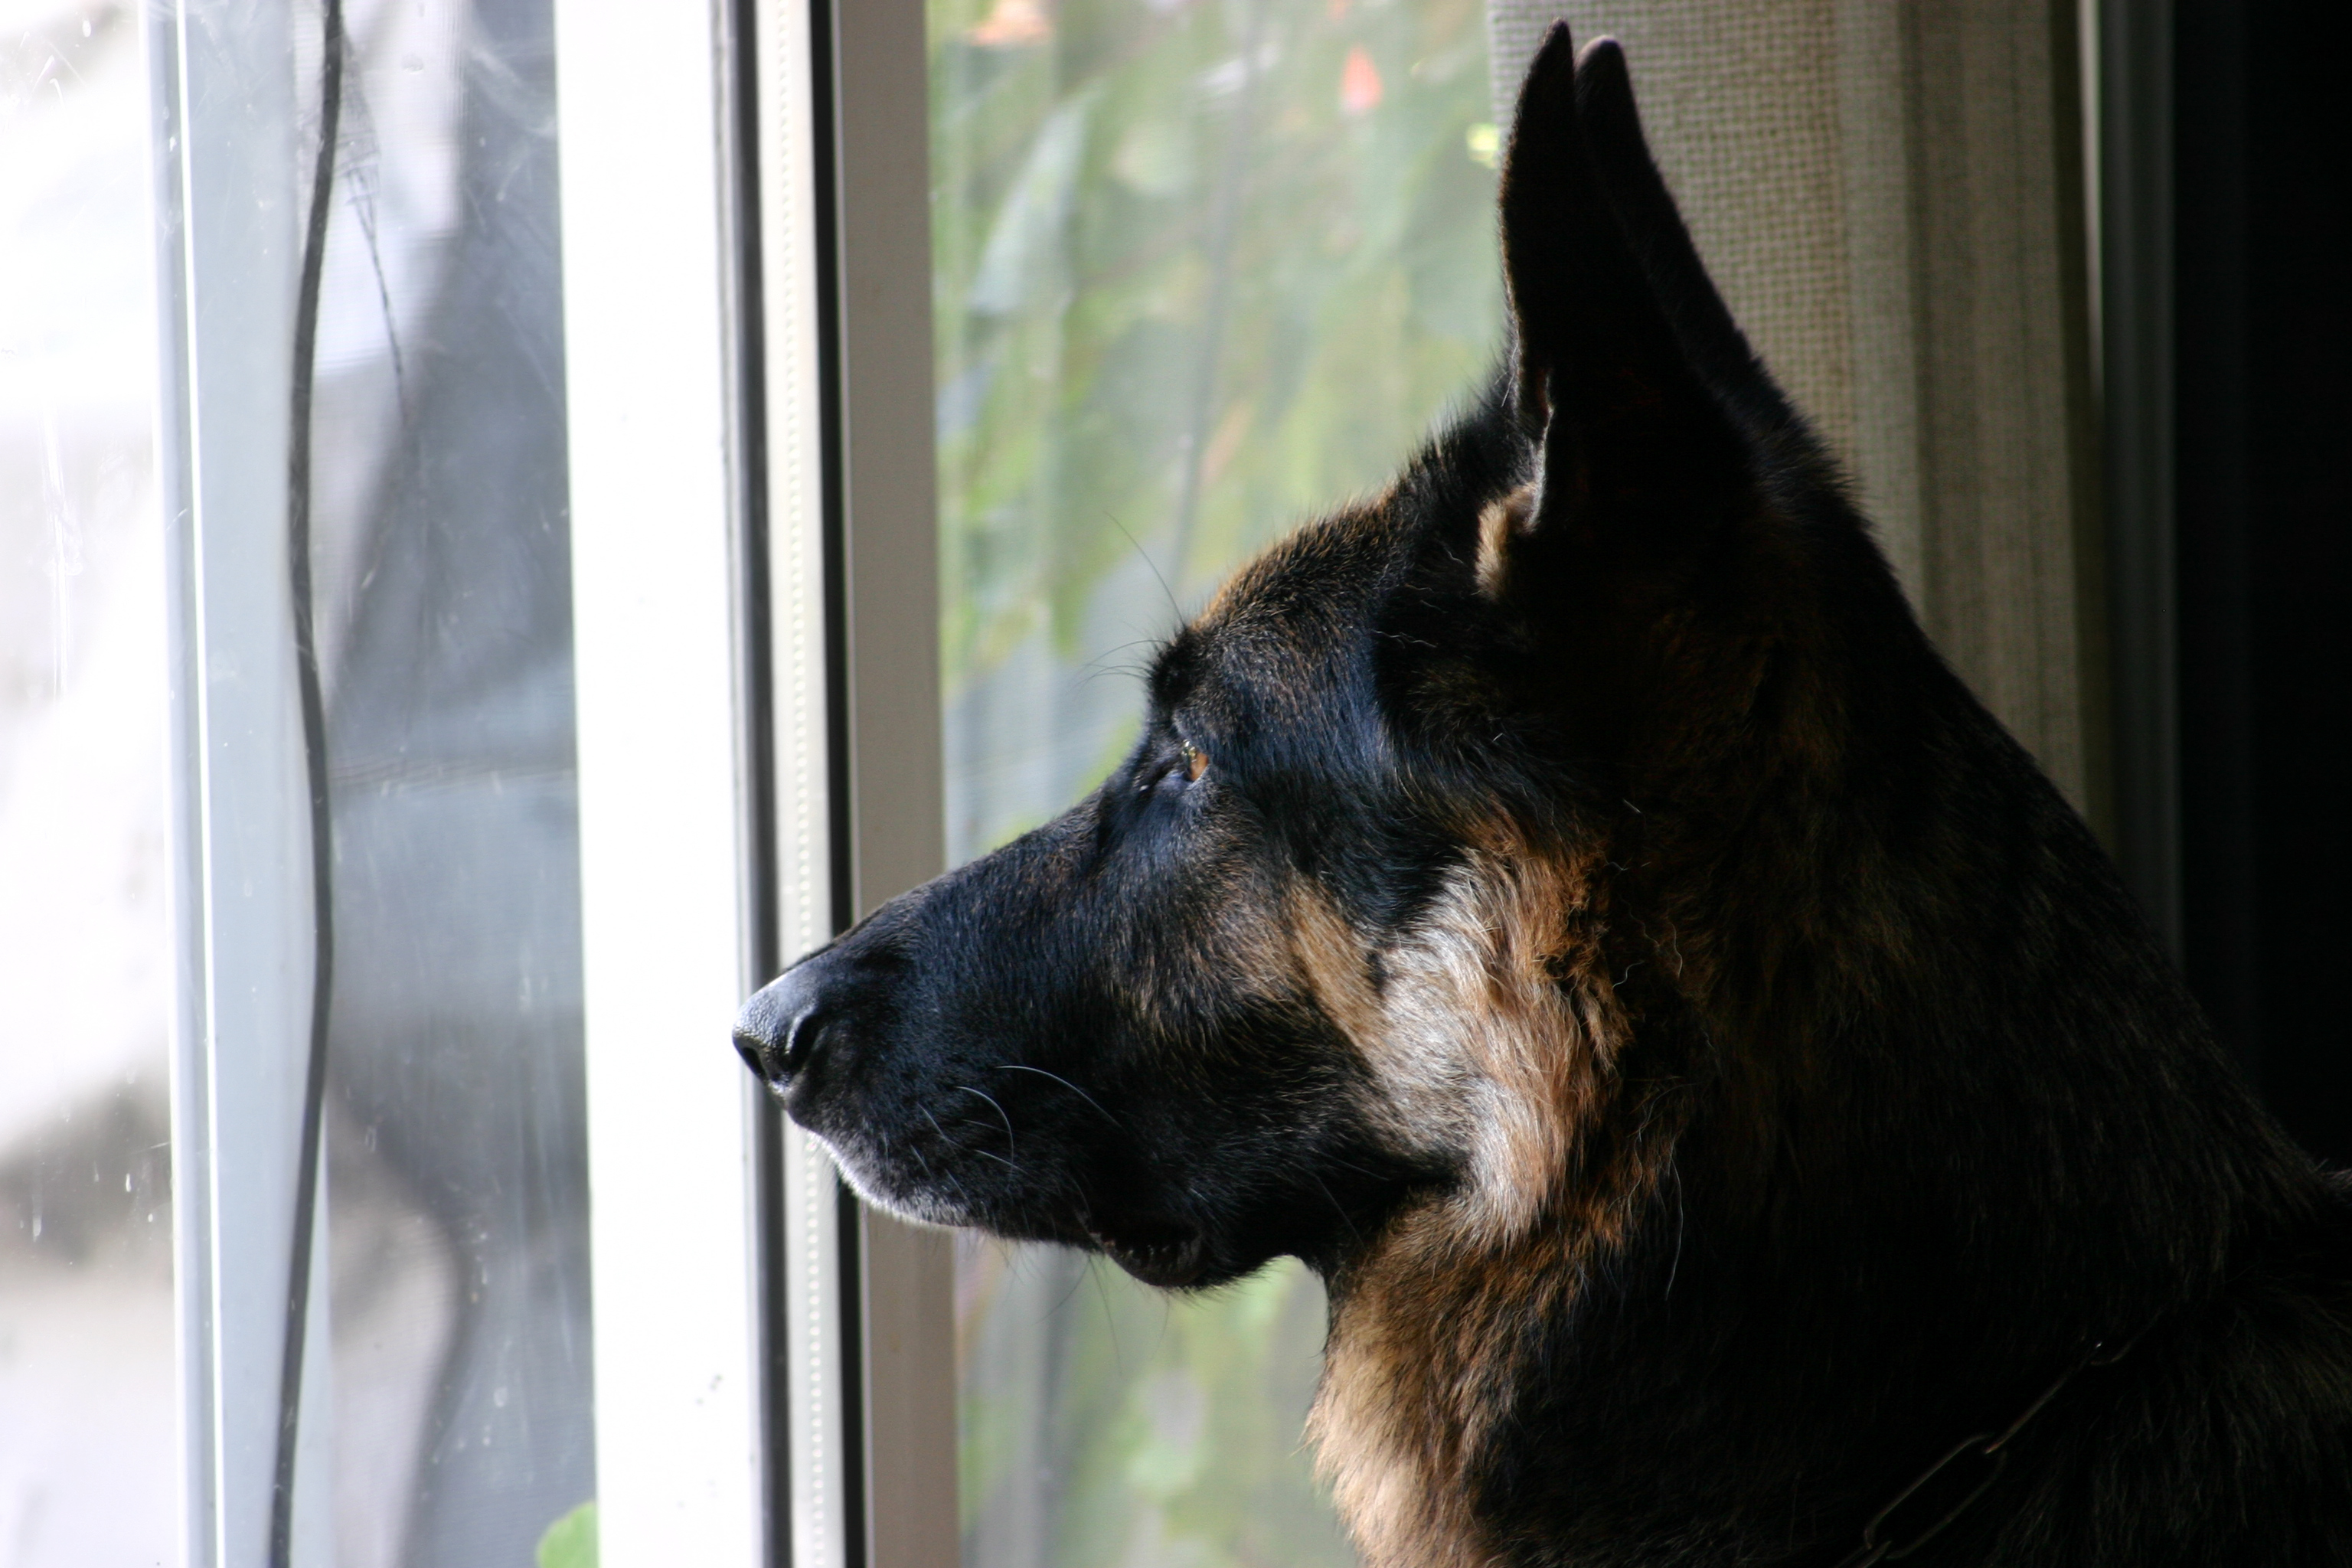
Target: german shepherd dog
1736, 1109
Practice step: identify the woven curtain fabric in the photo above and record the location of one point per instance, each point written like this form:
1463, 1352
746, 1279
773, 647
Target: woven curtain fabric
1888, 193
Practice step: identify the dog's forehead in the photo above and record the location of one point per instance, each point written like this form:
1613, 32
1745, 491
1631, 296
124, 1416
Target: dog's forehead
1287, 627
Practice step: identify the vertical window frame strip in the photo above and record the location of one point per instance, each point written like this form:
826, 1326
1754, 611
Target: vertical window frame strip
657, 503
890, 597
773, 905
890, 1348
812, 1484
175, 485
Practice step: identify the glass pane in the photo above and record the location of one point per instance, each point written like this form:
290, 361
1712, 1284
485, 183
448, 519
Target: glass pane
89, 1398
458, 1176
445, 1411
1200, 268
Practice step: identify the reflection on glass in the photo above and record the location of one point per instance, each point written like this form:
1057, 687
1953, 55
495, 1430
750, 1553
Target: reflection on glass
88, 1414
457, 1208
1199, 269
457, 1314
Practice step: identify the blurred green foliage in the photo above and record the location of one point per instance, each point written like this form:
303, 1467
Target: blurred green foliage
569, 1541
1201, 267
1103, 1423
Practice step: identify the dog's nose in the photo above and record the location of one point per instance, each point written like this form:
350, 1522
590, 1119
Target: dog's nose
780, 1026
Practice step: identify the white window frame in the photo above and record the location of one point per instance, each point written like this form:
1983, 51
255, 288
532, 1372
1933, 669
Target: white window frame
655, 530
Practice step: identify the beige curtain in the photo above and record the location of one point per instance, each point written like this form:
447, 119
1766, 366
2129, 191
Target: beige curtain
1888, 193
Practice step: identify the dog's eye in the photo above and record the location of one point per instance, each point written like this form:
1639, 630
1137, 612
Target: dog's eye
1190, 763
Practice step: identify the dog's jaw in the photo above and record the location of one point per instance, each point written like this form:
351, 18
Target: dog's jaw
923, 1207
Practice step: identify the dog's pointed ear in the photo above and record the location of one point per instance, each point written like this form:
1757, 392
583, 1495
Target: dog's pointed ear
1654, 229
1640, 464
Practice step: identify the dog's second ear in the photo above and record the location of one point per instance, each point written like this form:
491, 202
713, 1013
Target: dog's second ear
1641, 463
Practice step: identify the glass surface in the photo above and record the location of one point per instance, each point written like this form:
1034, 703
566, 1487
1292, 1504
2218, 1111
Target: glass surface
1200, 270
458, 1187
453, 1417
89, 1397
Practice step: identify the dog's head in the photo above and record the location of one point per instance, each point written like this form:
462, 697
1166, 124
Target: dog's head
1387, 892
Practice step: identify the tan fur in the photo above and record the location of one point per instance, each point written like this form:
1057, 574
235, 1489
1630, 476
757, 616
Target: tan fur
1492, 1030
1498, 526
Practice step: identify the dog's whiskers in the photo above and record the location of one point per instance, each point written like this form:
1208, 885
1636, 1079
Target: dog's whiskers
1066, 1083
1010, 1148
962, 1148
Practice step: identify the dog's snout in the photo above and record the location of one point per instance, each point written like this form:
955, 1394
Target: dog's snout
779, 1028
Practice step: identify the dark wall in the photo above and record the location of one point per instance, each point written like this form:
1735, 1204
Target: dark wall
2264, 398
